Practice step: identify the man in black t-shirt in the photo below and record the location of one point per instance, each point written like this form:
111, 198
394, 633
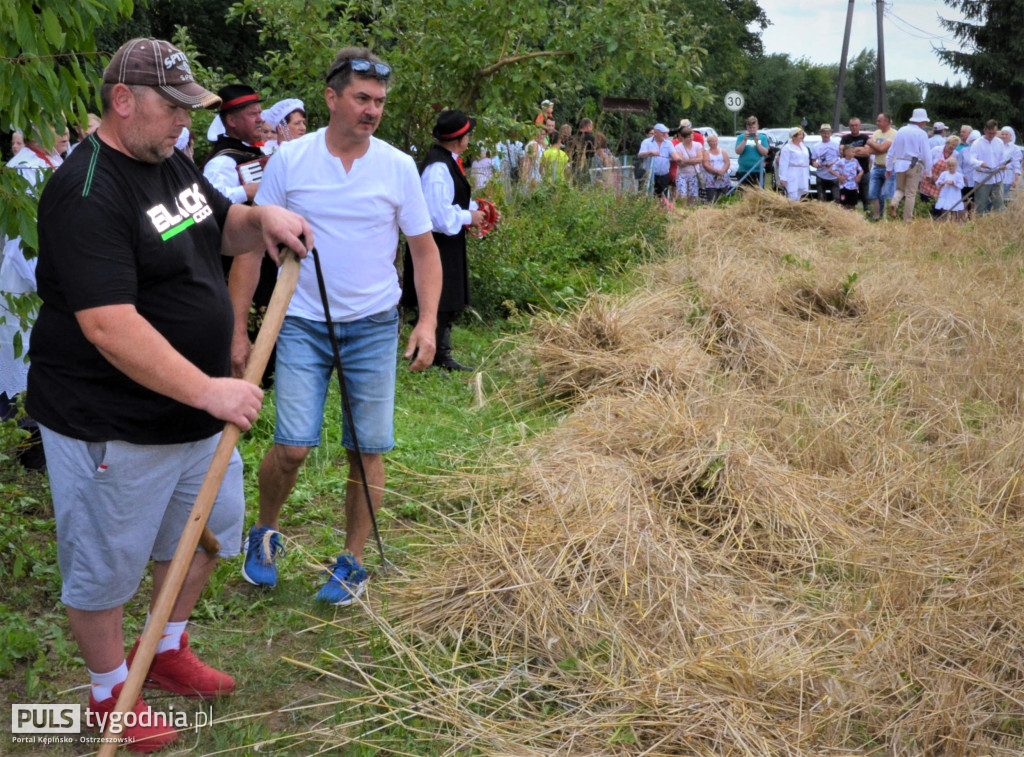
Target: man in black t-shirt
858, 140
130, 374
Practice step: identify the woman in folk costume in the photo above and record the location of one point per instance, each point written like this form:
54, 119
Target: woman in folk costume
795, 165
452, 210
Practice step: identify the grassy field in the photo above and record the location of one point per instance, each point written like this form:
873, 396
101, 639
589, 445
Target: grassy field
761, 496
446, 424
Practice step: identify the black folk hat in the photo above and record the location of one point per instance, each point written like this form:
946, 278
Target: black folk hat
452, 124
235, 96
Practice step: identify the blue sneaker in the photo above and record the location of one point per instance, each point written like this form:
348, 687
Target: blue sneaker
346, 581
261, 549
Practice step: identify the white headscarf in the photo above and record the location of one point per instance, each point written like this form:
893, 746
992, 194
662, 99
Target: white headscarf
275, 115
216, 129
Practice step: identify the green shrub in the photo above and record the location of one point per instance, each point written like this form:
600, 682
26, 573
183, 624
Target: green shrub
556, 244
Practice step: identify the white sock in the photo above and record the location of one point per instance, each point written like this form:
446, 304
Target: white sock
103, 683
171, 637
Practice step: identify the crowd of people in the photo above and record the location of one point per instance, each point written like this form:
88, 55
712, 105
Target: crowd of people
956, 176
555, 154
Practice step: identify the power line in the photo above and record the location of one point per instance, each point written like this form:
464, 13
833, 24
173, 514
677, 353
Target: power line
924, 33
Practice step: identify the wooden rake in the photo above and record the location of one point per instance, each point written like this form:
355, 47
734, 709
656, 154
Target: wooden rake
195, 529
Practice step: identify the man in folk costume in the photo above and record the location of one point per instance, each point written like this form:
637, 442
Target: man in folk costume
235, 167
234, 140
452, 209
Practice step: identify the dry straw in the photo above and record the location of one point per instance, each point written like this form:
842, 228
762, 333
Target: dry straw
782, 515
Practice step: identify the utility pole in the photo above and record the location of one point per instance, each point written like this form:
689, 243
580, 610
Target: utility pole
842, 67
880, 100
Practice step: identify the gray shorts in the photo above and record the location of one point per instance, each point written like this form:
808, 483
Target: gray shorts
118, 505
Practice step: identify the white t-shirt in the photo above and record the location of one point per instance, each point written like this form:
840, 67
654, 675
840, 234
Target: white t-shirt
356, 217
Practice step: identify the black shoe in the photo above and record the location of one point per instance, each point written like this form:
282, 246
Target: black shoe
449, 363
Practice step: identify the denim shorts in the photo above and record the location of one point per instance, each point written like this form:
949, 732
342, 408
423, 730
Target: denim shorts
118, 504
305, 362
880, 187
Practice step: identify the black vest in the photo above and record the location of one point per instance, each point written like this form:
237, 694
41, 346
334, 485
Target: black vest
235, 149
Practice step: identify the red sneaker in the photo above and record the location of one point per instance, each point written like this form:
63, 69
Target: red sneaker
147, 731
180, 671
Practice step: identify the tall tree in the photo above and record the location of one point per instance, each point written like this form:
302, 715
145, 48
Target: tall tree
234, 48
859, 92
990, 56
49, 66
731, 34
495, 58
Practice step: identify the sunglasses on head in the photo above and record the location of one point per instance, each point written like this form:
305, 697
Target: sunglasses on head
379, 71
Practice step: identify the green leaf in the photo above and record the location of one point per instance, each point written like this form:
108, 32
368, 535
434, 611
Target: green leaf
51, 27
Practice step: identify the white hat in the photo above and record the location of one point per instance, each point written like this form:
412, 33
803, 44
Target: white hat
216, 129
939, 126
661, 127
920, 116
546, 104
974, 137
279, 111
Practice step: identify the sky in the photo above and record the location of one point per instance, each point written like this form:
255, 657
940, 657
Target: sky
813, 29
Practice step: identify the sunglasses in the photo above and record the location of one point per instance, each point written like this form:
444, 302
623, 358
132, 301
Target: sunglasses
379, 71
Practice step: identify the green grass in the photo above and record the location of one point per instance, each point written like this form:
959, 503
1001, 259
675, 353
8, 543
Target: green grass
551, 249
440, 427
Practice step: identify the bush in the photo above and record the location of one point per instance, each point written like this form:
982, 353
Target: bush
556, 243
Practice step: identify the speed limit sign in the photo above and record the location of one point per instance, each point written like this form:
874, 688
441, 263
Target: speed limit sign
734, 101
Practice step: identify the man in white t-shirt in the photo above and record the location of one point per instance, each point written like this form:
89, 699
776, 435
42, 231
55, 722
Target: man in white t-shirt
357, 192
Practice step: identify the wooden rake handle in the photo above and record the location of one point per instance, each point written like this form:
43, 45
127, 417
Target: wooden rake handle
190, 536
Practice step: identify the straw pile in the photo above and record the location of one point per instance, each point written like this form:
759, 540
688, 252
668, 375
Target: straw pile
783, 515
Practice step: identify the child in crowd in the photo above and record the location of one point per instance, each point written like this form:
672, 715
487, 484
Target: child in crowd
848, 169
950, 184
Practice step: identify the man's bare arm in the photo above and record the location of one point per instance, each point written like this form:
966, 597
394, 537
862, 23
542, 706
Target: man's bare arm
254, 228
428, 277
242, 282
131, 344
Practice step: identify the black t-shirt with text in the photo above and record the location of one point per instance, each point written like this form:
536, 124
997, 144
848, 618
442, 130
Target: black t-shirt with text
857, 141
117, 231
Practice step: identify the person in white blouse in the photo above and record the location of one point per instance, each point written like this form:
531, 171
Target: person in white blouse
795, 165
990, 158
825, 157
287, 120
1012, 173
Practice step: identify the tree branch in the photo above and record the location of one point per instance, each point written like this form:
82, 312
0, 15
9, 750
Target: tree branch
472, 89
491, 69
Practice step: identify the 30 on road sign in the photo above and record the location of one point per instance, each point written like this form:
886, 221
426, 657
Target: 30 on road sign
734, 101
